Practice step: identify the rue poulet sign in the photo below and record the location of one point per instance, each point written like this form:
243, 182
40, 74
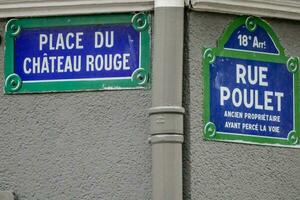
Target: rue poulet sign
251, 87
77, 53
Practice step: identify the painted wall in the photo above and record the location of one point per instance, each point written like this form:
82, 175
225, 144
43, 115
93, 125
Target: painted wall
79, 146
93, 145
218, 170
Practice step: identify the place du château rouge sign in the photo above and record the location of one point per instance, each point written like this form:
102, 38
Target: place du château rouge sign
251, 87
96, 52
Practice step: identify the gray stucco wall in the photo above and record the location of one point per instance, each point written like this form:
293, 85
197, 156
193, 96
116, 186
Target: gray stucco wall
81, 146
218, 170
93, 145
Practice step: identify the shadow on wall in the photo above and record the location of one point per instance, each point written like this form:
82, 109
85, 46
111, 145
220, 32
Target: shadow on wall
186, 104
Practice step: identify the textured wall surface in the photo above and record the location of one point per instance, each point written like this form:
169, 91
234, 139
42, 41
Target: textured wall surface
218, 170
93, 145
79, 146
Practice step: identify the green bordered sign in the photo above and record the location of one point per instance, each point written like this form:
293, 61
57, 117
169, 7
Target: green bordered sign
251, 87
97, 52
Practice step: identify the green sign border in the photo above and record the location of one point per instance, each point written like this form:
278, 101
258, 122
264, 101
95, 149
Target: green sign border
140, 78
292, 63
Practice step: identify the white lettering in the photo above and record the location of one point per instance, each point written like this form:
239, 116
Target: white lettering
240, 73
25, 68
43, 40
223, 96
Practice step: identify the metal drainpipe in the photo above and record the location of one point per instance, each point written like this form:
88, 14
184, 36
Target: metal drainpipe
166, 114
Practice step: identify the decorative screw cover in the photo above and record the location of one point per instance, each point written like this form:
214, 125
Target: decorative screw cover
293, 138
13, 27
208, 55
210, 130
140, 21
13, 83
250, 24
140, 76
292, 64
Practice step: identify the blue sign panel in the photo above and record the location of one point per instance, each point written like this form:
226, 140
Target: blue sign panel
247, 97
257, 40
83, 52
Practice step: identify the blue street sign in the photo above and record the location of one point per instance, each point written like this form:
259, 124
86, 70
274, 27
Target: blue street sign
251, 87
78, 53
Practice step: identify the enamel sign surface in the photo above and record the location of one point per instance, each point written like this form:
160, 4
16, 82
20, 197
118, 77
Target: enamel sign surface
251, 87
77, 53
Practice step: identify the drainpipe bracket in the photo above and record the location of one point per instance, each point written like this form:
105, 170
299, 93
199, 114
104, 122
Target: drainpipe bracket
166, 120
171, 138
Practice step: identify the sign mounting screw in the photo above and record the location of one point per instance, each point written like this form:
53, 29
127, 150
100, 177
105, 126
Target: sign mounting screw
13, 27
250, 23
293, 138
292, 64
210, 130
140, 76
209, 55
140, 22
13, 83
